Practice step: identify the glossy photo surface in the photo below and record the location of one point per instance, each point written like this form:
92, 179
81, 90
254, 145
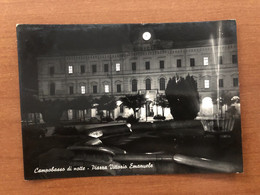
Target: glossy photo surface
129, 99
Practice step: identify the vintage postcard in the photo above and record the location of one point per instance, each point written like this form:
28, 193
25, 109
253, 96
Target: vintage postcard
129, 99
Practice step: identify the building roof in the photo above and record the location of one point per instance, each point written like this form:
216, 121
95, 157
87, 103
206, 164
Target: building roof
159, 45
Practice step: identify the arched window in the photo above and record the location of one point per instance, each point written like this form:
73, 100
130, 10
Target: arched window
52, 89
148, 84
162, 83
94, 87
134, 85
207, 106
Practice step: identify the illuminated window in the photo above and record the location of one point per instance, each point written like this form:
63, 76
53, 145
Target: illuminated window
178, 63
162, 84
207, 106
206, 61
106, 88
192, 62
134, 85
117, 67
206, 83
148, 84
161, 64
70, 69
83, 89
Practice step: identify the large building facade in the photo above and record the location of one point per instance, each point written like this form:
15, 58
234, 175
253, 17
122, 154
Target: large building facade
141, 69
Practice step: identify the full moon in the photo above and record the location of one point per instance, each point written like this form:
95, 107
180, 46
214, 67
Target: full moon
146, 36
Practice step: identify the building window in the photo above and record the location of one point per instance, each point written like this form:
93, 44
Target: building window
221, 83
94, 89
162, 83
105, 67
134, 85
178, 63
70, 69
235, 82
147, 65
192, 62
117, 67
206, 83
234, 59
106, 88
161, 64
220, 60
83, 89
118, 88
52, 70
148, 84
94, 68
134, 66
206, 61
121, 108
71, 90
52, 89
82, 69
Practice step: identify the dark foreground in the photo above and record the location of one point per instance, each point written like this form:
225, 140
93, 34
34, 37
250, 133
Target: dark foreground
158, 148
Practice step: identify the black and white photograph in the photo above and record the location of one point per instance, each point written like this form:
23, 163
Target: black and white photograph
129, 99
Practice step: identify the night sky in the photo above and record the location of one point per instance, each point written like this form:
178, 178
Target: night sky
36, 40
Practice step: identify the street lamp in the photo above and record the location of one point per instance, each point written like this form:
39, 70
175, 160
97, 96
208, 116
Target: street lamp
146, 105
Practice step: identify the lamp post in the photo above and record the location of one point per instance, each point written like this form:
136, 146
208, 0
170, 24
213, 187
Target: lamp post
156, 101
146, 110
146, 105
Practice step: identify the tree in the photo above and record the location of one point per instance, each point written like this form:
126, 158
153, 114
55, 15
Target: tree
81, 103
134, 102
183, 97
224, 98
52, 111
162, 101
30, 104
107, 103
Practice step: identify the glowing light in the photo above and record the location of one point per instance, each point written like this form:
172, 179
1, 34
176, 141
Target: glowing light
70, 68
129, 126
117, 67
147, 96
96, 134
147, 36
206, 61
106, 88
207, 107
83, 89
207, 103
